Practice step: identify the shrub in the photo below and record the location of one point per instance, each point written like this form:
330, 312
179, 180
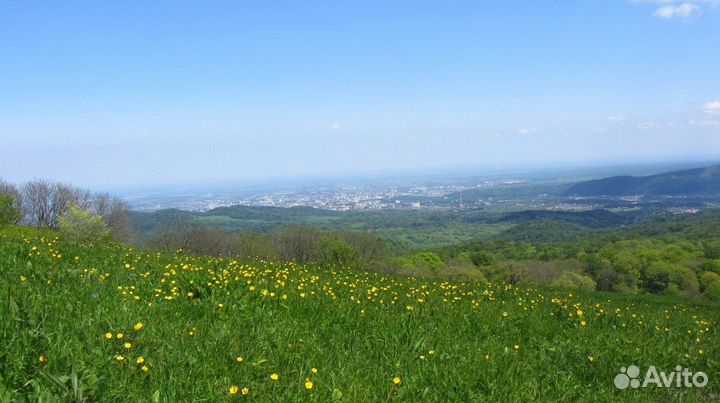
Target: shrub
78, 225
712, 292
574, 280
707, 278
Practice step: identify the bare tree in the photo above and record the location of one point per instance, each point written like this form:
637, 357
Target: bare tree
37, 199
295, 242
116, 214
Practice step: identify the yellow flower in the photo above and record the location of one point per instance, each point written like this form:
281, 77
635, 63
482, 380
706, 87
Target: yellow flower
397, 380
239, 359
108, 335
516, 347
701, 352
138, 326
580, 312
591, 358
144, 368
313, 370
274, 377
119, 358
234, 390
42, 359
140, 360
127, 346
583, 323
505, 314
245, 391
308, 384
119, 335
23, 279
190, 294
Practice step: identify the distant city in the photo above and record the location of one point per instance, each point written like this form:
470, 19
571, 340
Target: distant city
347, 197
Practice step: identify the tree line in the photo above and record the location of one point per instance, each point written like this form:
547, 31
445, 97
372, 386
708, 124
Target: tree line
686, 262
43, 203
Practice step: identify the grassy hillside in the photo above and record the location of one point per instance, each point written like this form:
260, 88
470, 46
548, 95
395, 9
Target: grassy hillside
112, 323
688, 182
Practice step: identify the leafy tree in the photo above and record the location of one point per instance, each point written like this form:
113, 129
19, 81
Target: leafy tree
334, 250
9, 213
707, 278
662, 276
82, 226
482, 258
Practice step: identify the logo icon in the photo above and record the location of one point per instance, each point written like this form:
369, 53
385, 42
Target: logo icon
627, 377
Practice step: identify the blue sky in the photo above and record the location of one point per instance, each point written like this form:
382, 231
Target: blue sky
117, 94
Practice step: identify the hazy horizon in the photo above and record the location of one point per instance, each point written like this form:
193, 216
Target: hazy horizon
111, 96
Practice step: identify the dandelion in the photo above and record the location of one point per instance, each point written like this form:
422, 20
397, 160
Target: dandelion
580, 312
245, 391
108, 335
239, 359
23, 279
505, 314
127, 346
42, 359
144, 368
314, 370
274, 377
234, 390
591, 359
119, 358
516, 347
308, 384
397, 380
701, 352
138, 326
583, 323
140, 360
119, 335
190, 294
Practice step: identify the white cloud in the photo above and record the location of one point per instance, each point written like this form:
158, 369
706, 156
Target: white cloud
704, 123
335, 126
670, 11
712, 107
527, 130
648, 125
616, 118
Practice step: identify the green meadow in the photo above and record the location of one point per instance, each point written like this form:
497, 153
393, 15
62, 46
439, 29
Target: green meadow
107, 322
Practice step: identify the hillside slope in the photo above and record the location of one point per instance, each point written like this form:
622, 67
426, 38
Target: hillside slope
699, 181
118, 324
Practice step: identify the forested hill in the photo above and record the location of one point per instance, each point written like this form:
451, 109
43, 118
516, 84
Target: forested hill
699, 181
